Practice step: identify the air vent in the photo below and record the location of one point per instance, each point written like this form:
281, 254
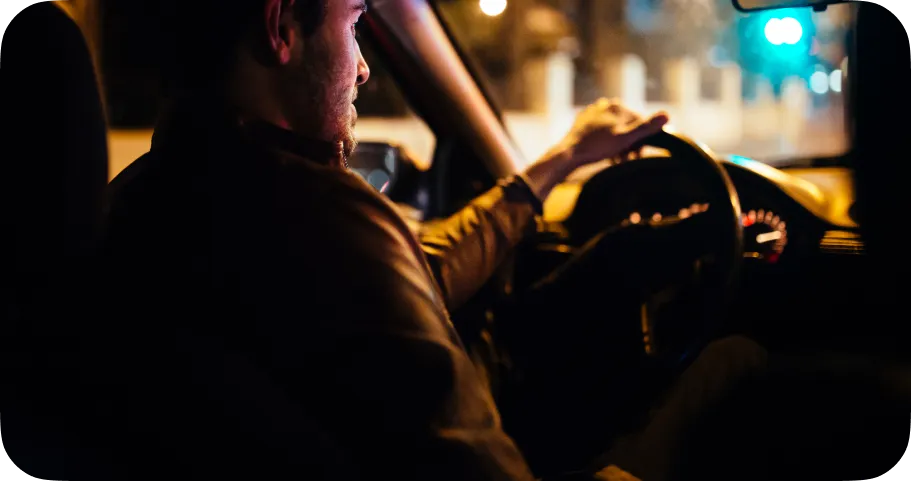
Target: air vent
842, 243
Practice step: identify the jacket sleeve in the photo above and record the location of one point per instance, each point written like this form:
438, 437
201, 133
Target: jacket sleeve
383, 363
465, 249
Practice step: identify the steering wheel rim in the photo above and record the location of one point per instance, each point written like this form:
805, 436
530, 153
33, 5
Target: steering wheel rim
721, 187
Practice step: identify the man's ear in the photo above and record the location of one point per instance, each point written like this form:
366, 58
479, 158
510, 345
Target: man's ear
280, 35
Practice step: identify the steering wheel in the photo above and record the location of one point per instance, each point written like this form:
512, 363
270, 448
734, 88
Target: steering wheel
564, 335
643, 253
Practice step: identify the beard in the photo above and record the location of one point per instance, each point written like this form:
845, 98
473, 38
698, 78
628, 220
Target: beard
348, 140
318, 105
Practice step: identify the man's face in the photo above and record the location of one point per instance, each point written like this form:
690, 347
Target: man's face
320, 84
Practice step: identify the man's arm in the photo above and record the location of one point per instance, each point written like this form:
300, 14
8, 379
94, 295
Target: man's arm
380, 362
465, 249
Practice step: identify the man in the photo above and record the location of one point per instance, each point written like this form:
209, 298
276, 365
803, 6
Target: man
241, 232
282, 320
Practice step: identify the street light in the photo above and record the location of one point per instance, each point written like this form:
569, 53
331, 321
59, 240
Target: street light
492, 8
819, 82
835, 80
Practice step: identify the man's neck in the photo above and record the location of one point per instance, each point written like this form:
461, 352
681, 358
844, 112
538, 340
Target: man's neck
277, 137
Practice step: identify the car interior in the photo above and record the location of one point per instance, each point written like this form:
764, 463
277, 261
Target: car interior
674, 249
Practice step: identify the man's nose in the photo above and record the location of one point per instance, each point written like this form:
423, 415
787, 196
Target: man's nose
363, 70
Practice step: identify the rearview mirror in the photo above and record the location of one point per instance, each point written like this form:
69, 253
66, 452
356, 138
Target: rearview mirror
756, 5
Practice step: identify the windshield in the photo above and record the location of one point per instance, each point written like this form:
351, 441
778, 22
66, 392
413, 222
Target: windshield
766, 85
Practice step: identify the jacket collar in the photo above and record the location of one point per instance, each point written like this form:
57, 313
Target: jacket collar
286, 141
206, 122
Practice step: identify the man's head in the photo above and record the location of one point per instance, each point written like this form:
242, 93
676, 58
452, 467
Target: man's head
295, 63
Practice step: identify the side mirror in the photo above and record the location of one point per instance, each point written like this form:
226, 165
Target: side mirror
377, 163
391, 169
394, 171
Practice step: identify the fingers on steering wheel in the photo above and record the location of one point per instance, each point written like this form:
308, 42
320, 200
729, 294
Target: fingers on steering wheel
624, 115
633, 153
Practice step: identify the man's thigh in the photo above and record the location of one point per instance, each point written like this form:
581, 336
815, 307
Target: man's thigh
741, 413
565, 421
726, 370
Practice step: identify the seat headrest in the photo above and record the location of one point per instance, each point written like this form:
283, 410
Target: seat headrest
54, 143
53, 157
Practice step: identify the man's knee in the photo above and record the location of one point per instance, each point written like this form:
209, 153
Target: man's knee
725, 366
737, 353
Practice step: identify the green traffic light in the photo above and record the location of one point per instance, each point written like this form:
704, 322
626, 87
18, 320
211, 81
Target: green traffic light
783, 31
777, 44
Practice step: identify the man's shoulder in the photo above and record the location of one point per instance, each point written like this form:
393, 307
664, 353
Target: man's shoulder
136, 182
301, 184
340, 231
336, 202
308, 203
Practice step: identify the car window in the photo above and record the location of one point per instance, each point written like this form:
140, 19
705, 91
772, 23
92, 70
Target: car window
765, 85
124, 51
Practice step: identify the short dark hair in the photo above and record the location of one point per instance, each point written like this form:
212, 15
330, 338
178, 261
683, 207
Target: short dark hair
200, 38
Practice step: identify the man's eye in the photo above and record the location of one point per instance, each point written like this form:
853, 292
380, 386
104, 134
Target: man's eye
354, 29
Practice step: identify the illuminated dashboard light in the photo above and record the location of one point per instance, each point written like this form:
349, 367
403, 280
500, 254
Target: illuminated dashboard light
768, 237
769, 233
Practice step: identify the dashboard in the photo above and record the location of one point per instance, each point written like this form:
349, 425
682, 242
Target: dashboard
803, 253
786, 213
808, 210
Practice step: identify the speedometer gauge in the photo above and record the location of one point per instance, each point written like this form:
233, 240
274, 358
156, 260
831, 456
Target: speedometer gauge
765, 235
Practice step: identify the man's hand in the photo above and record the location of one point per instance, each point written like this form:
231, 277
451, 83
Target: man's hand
613, 473
604, 130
